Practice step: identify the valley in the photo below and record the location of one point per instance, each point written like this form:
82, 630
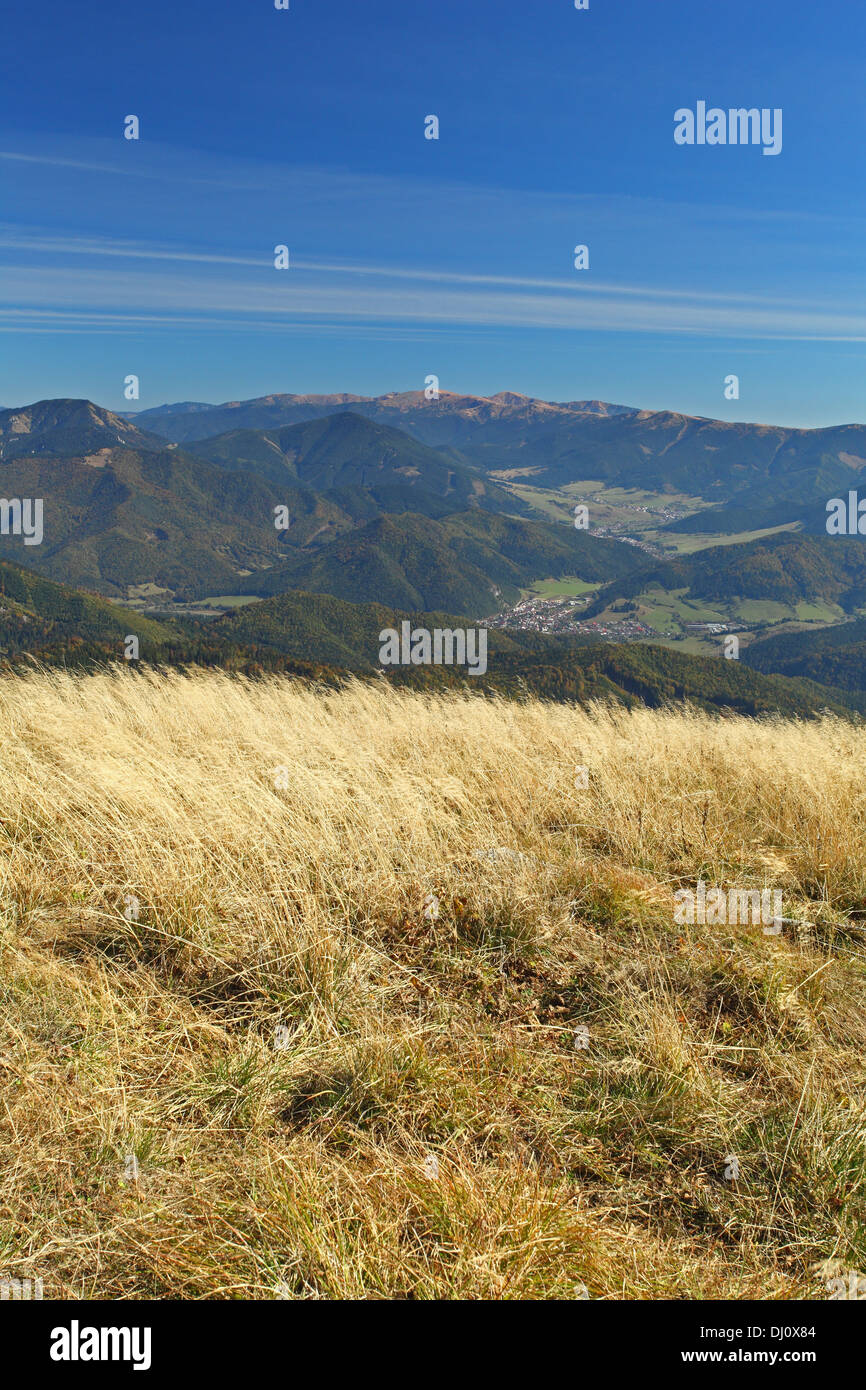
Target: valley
658, 614
462, 506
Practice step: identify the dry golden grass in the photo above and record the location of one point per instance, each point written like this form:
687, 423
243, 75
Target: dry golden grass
299, 1163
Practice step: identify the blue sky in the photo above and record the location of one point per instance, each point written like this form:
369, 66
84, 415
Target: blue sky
410, 256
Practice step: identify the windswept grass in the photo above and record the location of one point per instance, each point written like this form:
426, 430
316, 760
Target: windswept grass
281, 953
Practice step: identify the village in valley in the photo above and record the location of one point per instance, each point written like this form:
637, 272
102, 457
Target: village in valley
562, 615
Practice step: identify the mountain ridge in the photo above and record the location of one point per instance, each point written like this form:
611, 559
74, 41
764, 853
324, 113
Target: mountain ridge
779, 473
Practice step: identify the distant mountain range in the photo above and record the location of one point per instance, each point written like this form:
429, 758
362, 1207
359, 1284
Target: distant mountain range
127, 511
397, 504
753, 476
443, 421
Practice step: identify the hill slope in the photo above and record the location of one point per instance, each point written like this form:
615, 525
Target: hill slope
126, 511
59, 427
347, 456
787, 568
834, 656
469, 562
43, 619
287, 947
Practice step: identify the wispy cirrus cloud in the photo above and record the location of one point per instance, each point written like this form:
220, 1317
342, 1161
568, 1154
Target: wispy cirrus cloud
43, 245
471, 258
251, 294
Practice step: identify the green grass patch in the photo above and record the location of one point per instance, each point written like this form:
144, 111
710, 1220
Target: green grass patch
227, 600
566, 587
